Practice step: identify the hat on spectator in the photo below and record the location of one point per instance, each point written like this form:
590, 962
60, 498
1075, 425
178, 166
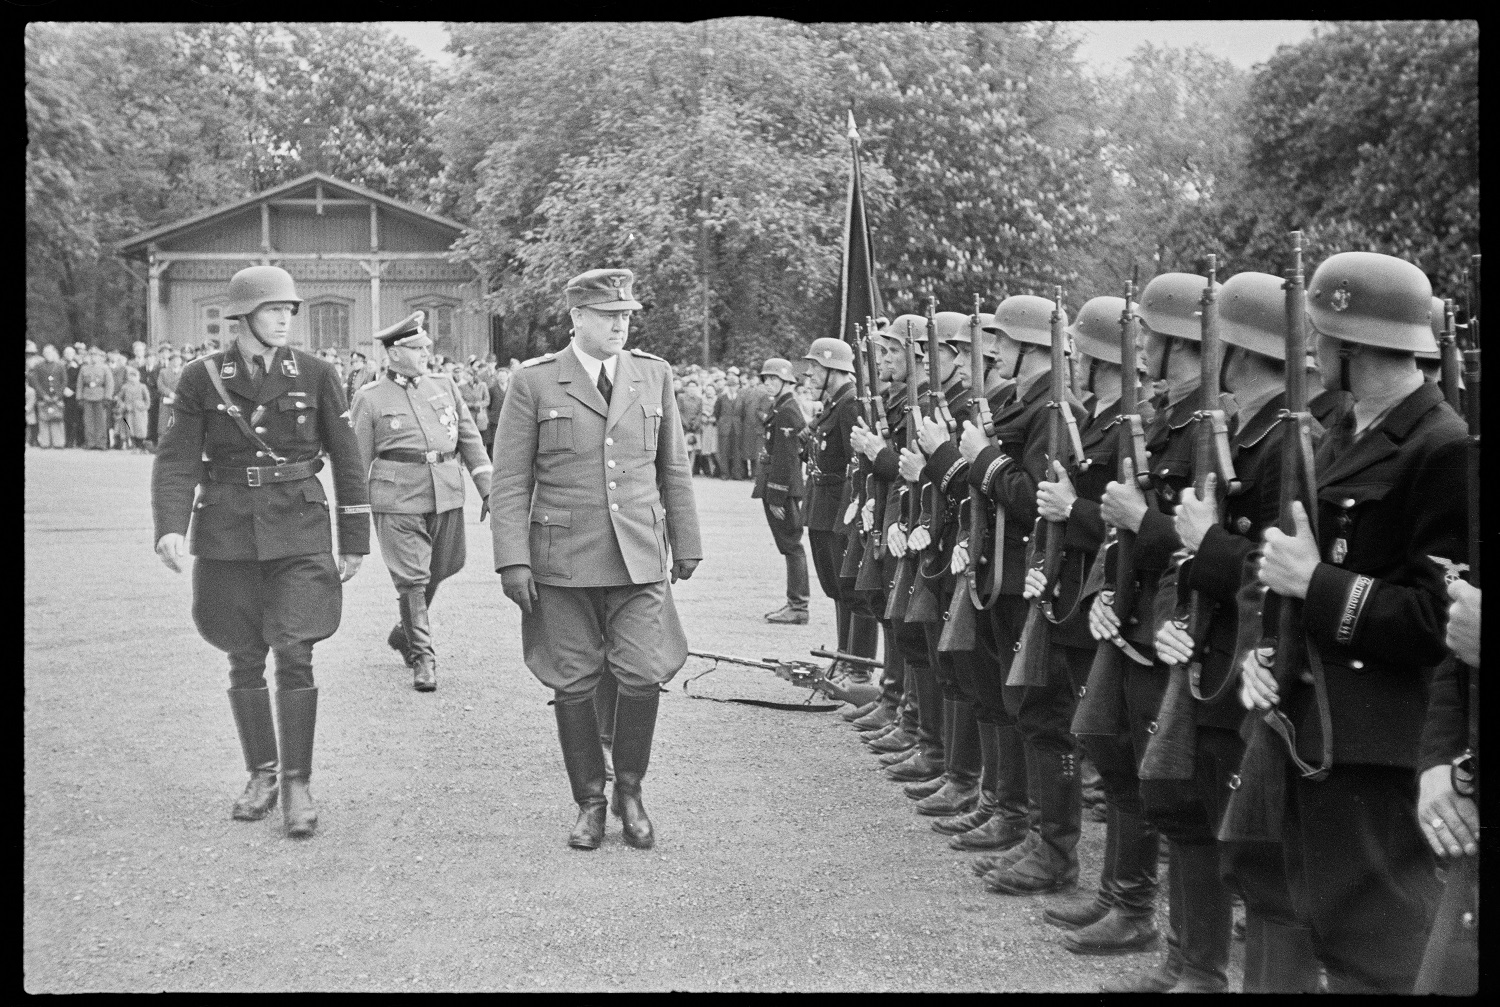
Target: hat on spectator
603, 290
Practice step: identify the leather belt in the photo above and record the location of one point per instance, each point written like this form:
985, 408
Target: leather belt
263, 475
417, 457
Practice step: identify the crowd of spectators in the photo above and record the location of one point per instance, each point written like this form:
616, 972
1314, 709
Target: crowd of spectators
723, 412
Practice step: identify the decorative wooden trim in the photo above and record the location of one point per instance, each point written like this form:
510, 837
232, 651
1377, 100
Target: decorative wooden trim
298, 256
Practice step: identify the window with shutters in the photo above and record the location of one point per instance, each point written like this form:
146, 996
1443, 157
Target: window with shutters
328, 325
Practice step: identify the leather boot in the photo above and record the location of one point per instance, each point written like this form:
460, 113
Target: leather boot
1207, 919
1078, 913
854, 713
1279, 958
606, 694
419, 640
578, 733
397, 639
960, 790
1117, 932
879, 715
1053, 864
252, 719
296, 720
995, 866
896, 758
1133, 882
917, 769
1162, 976
635, 723
922, 791
984, 808
1008, 826
880, 732
897, 741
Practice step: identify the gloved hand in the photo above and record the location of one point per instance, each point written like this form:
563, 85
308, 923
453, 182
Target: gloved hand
518, 586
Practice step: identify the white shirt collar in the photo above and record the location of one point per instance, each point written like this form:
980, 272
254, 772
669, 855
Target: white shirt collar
592, 364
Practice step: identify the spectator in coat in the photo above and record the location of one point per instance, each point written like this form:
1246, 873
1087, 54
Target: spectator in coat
30, 415
167, 377
95, 391
754, 406
726, 412
475, 395
49, 379
72, 358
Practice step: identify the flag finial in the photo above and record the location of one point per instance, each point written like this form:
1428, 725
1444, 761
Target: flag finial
853, 130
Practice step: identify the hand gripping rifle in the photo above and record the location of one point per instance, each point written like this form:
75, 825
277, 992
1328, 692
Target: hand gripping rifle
857, 471
869, 577
923, 606
984, 571
1030, 664
1100, 708
905, 581
803, 674
1169, 752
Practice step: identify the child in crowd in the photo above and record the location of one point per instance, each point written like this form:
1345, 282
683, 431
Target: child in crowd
134, 401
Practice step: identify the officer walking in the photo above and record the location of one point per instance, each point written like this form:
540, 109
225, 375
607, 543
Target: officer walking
248, 430
592, 512
412, 427
779, 484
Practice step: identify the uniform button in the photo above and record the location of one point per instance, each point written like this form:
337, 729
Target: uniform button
611, 463
545, 519
1152, 728
260, 430
1234, 781
611, 485
260, 454
609, 441
1467, 921
1356, 664
614, 506
552, 414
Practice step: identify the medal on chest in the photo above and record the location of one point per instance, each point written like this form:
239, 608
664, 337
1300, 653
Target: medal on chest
448, 416
1340, 547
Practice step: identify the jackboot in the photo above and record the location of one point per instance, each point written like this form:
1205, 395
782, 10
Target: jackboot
1053, 864
397, 639
419, 639
1279, 958
996, 865
1001, 750
252, 719
635, 723
880, 732
957, 825
918, 768
296, 721
879, 714
1207, 919
854, 713
897, 741
925, 789
1162, 976
889, 759
578, 733
960, 790
1117, 932
606, 694
1133, 882
1077, 913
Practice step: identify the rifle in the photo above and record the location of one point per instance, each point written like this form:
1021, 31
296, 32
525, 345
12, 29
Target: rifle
855, 475
923, 606
803, 674
1030, 664
1169, 752
1466, 767
980, 596
869, 575
906, 572
1100, 707
1448, 354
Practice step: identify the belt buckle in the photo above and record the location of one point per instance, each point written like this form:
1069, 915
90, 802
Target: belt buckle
252, 476
431, 456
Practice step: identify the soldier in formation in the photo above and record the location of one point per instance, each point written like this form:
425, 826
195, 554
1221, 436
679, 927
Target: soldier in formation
413, 428
235, 483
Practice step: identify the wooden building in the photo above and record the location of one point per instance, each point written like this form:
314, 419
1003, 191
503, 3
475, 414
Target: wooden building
361, 261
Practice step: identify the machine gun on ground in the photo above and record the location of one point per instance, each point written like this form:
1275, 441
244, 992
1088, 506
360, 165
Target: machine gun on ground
803, 674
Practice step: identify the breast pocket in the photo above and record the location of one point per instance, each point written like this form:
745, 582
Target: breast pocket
651, 427
554, 429
300, 415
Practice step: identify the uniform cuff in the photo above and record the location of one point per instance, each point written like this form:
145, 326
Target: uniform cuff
1336, 602
986, 467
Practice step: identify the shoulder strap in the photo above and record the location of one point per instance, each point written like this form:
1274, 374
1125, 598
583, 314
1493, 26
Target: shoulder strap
235, 413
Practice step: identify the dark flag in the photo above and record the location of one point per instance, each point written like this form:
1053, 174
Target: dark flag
859, 297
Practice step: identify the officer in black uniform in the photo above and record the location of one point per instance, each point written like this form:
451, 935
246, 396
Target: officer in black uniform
248, 431
1391, 525
779, 485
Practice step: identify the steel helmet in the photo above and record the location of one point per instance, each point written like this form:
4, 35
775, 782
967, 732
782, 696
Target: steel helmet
1372, 299
951, 327
1026, 318
257, 285
1252, 314
1170, 305
1436, 316
1096, 331
834, 354
897, 331
778, 367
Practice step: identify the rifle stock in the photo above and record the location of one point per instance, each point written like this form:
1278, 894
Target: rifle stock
923, 604
904, 582
983, 584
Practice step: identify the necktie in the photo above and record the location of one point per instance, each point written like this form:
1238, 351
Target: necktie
605, 386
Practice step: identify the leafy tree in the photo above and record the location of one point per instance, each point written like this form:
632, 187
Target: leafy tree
1366, 137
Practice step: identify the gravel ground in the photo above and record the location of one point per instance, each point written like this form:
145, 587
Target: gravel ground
784, 860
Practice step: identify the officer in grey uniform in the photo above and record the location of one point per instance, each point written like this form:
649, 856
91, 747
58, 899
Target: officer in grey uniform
412, 428
592, 512
236, 471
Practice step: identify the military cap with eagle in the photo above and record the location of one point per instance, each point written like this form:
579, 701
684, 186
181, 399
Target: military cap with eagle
408, 332
603, 290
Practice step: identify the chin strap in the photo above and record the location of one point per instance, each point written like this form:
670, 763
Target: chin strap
1020, 356
1166, 355
1093, 367
1346, 354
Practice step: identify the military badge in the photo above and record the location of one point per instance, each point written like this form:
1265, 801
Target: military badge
289, 367
1451, 571
229, 370
395, 423
1339, 301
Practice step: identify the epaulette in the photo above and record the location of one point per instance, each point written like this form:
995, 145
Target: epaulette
543, 359
648, 356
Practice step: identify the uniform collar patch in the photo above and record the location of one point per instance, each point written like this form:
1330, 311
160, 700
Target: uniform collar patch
289, 366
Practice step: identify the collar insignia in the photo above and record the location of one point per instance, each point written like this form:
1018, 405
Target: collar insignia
1451, 571
229, 370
